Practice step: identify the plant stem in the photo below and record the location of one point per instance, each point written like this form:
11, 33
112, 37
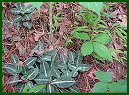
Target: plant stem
50, 21
52, 39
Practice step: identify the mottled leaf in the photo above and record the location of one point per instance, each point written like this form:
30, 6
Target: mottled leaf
41, 79
30, 61
31, 74
26, 17
44, 69
50, 88
27, 24
20, 6
15, 11
14, 59
17, 18
10, 68
30, 8
63, 82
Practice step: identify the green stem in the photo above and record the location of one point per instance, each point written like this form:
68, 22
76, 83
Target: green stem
52, 39
50, 21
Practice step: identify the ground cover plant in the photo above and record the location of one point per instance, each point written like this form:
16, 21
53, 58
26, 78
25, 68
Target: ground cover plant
64, 47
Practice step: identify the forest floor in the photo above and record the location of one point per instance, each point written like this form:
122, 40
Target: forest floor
22, 41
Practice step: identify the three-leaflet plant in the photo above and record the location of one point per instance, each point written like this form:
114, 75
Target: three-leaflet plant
107, 85
93, 34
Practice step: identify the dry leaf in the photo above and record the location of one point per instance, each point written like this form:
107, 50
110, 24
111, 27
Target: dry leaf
124, 20
20, 48
3, 5
37, 35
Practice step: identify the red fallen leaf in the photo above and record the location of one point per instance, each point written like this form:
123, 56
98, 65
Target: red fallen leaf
20, 48
121, 10
3, 5
65, 6
31, 39
66, 22
60, 6
37, 35
124, 20
21, 63
44, 10
26, 4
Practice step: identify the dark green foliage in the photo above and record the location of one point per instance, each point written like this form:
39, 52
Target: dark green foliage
56, 72
22, 15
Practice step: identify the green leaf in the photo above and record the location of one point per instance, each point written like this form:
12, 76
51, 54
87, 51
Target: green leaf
124, 88
10, 68
14, 59
40, 46
102, 38
66, 73
102, 51
87, 48
63, 83
50, 88
27, 25
101, 26
82, 36
44, 69
30, 83
56, 72
30, 61
17, 18
78, 67
31, 74
114, 87
119, 33
83, 67
81, 28
73, 65
26, 17
17, 25
122, 82
41, 79
74, 89
36, 88
20, 87
20, 6
46, 58
30, 8
71, 56
36, 4
100, 87
104, 76
26, 87
15, 11
63, 58
14, 80
94, 6
18, 68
